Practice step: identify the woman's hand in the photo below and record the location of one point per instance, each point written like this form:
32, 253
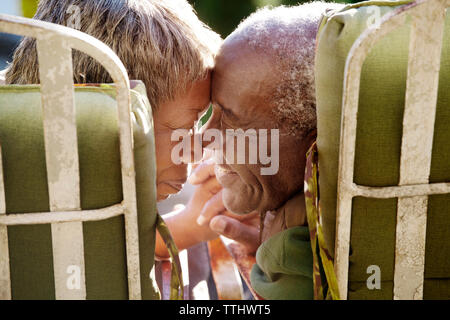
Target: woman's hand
183, 222
205, 216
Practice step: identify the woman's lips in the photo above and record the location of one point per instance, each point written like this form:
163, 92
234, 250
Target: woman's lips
176, 185
166, 188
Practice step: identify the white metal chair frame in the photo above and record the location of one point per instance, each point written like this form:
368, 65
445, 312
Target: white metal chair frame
427, 27
54, 47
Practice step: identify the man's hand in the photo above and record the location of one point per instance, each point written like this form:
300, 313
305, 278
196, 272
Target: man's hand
241, 228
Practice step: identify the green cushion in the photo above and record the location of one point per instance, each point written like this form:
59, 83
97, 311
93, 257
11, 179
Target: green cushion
284, 268
379, 130
21, 137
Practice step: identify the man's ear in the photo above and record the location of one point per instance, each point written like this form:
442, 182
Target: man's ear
312, 134
310, 137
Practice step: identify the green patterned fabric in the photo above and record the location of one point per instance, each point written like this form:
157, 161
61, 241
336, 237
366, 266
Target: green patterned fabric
379, 132
322, 258
176, 278
21, 137
284, 266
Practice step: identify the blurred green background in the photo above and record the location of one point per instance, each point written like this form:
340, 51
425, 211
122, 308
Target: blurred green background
223, 16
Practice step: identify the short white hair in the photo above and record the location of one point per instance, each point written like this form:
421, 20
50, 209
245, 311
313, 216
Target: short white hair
288, 35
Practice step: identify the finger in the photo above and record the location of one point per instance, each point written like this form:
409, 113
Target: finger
235, 230
212, 208
242, 217
202, 172
194, 166
207, 155
212, 186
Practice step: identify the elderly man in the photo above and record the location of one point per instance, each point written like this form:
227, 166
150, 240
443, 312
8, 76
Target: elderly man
264, 79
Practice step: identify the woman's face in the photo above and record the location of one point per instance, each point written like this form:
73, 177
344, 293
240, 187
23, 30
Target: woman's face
179, 113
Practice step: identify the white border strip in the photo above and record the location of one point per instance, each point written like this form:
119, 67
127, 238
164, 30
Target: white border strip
61, 153
427, 29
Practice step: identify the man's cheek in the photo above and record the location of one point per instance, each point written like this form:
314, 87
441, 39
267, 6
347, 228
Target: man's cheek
239, 200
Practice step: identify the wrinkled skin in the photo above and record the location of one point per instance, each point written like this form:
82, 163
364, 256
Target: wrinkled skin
181, 113
243, 82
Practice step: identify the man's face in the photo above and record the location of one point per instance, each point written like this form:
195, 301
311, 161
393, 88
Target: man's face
243, 82
179, 113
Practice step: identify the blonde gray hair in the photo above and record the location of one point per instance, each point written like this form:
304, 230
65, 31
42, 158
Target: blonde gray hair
288, 36
161, 42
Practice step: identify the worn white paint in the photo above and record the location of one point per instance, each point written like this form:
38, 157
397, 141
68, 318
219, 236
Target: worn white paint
60, 132
55, 43
416, 145
427, 29
61, 216
346, 186
68, 251
5, 278
61, 153
400, 191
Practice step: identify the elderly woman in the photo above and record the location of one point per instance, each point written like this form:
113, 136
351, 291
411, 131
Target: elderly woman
164, 44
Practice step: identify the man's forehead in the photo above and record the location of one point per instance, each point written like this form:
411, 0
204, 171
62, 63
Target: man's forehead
236, 51
242, 82
240, 66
